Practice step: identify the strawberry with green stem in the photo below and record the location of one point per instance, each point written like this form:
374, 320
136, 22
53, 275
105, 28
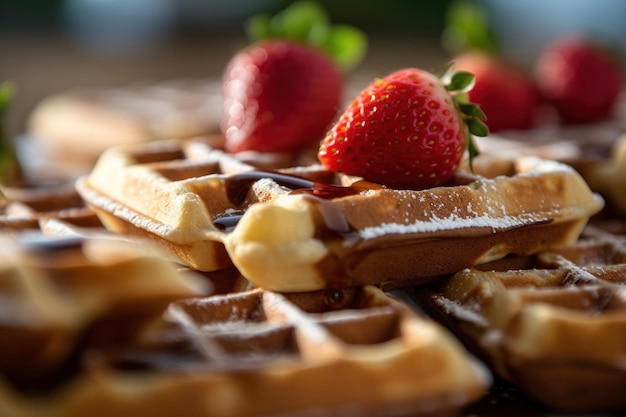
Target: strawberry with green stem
408, 130
283, 91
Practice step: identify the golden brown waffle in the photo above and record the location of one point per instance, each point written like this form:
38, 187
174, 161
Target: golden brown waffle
323, 230
75, 126
596, 151
259, 353
59, 293
28, 207
168, 205
553, 324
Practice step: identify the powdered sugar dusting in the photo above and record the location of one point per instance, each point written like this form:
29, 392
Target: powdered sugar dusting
450, 307
452, 222
534, 165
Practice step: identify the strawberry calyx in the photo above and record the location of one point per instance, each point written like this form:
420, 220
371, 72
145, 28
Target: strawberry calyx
307, 22
457, 84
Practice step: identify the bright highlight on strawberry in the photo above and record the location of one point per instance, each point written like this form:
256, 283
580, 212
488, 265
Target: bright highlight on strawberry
409, 130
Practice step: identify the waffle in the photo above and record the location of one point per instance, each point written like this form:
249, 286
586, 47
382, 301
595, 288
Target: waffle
315, 229
59, 293
257, 353
553, 323
74, 126
30, 206
596, 151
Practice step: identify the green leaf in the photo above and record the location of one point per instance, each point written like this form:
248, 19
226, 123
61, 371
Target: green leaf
302, 21
306, 21
472, 150
477, 127
467, 27
461, 81
461, 98
347, 45
10, 170
318, 36
6, 96
472, 110
259, 27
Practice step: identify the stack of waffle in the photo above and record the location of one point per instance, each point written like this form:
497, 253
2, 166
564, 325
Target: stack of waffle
552, 323
104, 325
71, 128
176, 279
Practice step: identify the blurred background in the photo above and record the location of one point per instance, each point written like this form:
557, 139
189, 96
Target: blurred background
51, 45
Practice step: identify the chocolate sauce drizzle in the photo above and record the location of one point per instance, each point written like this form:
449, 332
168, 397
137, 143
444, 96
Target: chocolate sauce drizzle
238, 185
47, 243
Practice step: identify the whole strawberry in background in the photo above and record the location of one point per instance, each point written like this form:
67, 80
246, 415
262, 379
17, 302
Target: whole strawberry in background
408, 130
579, 79
504, 91
282, 92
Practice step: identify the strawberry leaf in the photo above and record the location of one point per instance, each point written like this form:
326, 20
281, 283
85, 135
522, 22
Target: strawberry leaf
472, 110
477, 127
472, 150
259, 27
458, 84
347, 45
468, 27
461, 81
306, 21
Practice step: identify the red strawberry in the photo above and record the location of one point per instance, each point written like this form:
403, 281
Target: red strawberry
579, 79
282, 92
502, 90
279, 95
407, 130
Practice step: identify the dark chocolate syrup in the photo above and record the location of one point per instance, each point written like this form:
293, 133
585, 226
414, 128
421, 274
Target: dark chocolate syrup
48, 243
335, 299
238, 186
227, 223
